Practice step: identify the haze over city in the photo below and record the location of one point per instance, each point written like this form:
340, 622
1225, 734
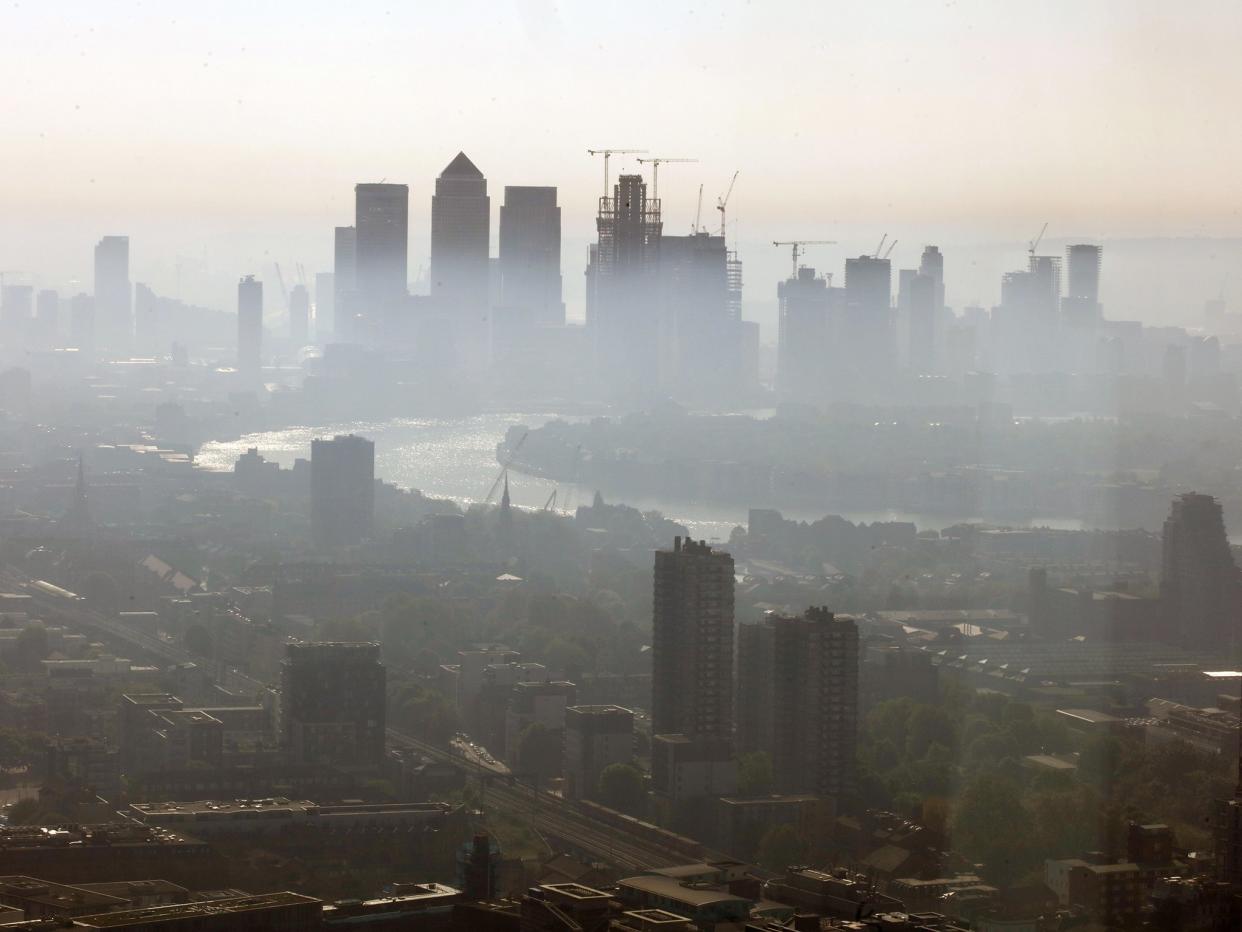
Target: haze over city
752, 467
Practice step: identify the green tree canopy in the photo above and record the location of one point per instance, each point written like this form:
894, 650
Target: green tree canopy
621, 787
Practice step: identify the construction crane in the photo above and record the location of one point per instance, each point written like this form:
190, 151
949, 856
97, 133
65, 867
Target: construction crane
698, 214
723, 202
609, 153
797, 248
281, 278
550, 504
1034, 244
504, 468
889, 251
655, 162
883, 238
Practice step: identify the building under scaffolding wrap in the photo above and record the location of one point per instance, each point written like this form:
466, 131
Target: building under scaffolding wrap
623, 310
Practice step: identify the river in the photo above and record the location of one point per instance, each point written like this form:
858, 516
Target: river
456, 459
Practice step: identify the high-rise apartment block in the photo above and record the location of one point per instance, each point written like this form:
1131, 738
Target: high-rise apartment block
692, 646
815, 703
530, 255
596, 737
342, 490
250, 328
1081, 303
1200, 585
113, 293
332, 704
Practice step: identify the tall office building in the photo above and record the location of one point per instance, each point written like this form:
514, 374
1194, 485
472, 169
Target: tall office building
530, 255
922, 304
932, 265
250, 328
1200, 585
342, 490
114, 325
699, 333
82, 322
692, 642
1081, 303
803, 337
325, 306
815, 703
460, 237
381, 248
47, 314
344, 281
299, 315
332, 704
868, 321
623, 313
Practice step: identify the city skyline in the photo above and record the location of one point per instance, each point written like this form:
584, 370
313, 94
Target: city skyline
885, 132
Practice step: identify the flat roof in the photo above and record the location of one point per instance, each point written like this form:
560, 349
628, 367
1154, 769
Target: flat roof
191, 910
674, 890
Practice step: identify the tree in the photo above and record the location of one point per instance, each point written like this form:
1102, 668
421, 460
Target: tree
991, 825
621, 787
754, 774
421, 711
780, 848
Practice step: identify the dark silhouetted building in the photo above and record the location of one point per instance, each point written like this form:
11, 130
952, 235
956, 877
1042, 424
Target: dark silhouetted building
755, 643
815, 703
1199, 582
113, 294
332, 704
596, 736
342, 490
250, 328
692, 646
530, 255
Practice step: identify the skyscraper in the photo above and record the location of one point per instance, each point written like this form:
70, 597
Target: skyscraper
699, 333
325, 305
1081, 303
342, 490
460, 237
692, 642
815, 703
932, 265
332, 704
381, 244
802, 337
755, 686
623, 311
868, 321
1200, 585
530, 254
345, 281
250, 328
113, 295
299, 315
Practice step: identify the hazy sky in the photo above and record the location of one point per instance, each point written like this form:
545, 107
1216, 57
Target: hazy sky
232, 133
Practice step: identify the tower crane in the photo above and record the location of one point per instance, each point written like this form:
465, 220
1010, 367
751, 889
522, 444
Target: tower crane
1034, 244
656, 161
698, 214
797, 248
889, 251
609, 153
723, 202
883, 238
281, 278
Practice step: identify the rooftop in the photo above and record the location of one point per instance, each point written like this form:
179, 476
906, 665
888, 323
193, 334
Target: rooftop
185, 911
